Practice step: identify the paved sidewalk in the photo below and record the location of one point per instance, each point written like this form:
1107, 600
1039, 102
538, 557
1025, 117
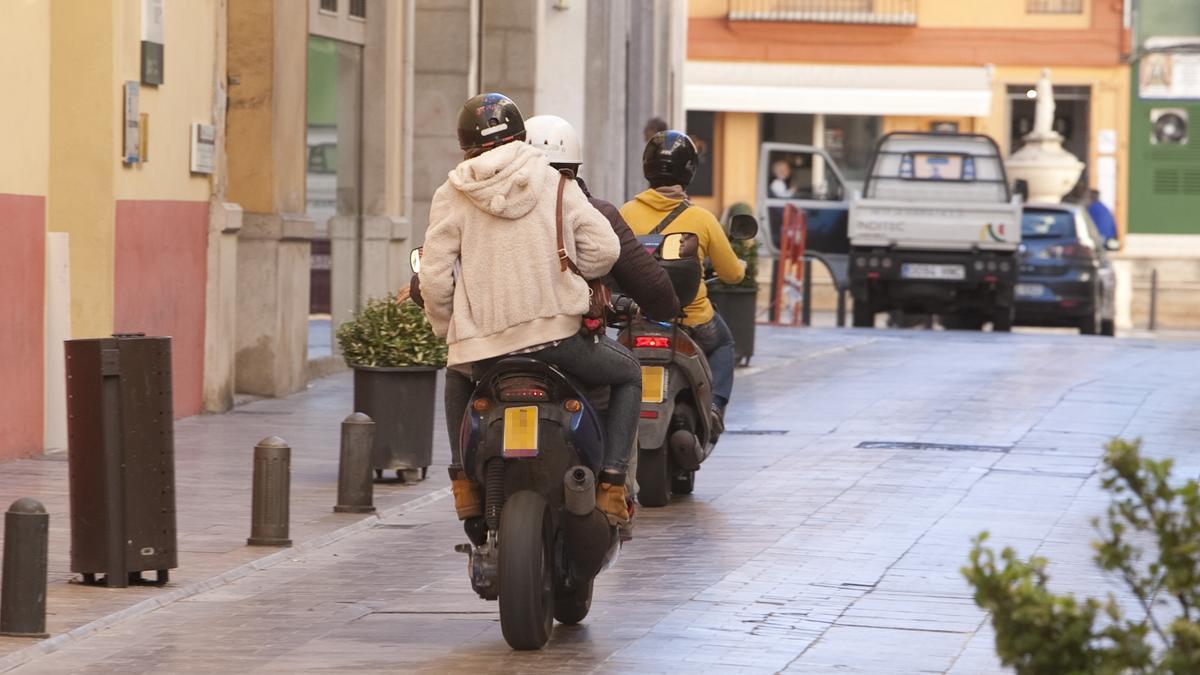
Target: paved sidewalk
213, 466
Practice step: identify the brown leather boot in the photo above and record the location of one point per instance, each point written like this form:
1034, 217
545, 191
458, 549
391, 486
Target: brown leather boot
612, 501
468, 495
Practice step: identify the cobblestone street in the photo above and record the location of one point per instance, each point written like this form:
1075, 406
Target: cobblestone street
825, 534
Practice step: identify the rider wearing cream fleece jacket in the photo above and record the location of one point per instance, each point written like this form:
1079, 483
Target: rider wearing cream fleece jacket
490, 272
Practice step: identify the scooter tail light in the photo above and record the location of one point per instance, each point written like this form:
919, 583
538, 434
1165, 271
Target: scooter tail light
652, 342
649, 414
521, 389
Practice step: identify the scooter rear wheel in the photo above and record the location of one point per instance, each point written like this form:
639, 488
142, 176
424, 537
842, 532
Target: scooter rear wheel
683, 482
526, 571
653, 477
573, 606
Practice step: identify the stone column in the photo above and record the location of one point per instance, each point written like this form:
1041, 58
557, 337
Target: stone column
604, 115
266, 147
441, 73
274, 258
220, 307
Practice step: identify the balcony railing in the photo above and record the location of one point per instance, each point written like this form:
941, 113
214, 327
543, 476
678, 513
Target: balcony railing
1054, 6
885, 12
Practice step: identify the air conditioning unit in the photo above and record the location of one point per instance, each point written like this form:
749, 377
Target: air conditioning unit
1168, 126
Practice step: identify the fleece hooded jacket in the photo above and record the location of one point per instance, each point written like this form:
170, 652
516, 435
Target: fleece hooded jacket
490, 272
645, 211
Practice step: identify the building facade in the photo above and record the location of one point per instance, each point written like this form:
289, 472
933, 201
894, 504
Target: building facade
839, 73
242, 175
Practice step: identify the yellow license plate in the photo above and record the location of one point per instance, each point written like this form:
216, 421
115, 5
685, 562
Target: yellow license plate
521, 431
654, 384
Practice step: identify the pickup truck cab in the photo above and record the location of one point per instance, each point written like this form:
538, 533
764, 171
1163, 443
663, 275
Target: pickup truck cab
936, 230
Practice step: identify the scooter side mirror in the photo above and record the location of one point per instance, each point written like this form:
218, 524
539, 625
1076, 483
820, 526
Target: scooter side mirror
743, 226
414, 260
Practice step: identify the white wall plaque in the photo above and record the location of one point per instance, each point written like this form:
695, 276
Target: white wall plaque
204, 147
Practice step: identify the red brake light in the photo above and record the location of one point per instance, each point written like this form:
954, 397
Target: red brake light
649, 414
652, 341
1065, 251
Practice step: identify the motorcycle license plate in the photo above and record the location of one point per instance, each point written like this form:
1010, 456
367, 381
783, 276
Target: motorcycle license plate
521, 431
654, 384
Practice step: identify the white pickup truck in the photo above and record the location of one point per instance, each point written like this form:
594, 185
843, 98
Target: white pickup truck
935, 231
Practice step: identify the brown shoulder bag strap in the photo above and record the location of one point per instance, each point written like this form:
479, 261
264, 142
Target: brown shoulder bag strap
564, 260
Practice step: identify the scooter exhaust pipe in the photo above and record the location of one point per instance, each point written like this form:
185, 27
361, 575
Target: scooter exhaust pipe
588, 534
579, 491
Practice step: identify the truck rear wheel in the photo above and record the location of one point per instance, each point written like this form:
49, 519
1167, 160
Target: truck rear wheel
1002, 319
863, 316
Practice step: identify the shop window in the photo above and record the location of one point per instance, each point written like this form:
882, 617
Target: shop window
700, 126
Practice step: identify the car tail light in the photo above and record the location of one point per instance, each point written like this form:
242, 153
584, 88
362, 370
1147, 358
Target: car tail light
649, 414
652, 341
524, 389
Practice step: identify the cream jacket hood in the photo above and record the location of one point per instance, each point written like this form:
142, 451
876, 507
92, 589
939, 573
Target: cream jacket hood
490, 273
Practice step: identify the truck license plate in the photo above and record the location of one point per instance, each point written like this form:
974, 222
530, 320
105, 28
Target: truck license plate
521, 431
935, 272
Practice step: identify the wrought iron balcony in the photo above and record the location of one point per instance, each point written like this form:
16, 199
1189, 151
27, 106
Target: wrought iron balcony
884, 12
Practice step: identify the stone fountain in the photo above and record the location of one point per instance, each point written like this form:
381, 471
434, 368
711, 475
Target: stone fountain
1042, 162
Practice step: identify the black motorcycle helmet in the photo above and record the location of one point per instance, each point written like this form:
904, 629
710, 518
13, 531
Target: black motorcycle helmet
670, 158
487, 121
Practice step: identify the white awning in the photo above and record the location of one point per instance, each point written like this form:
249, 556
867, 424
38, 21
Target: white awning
743, 86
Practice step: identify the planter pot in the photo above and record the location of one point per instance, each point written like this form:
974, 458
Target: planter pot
401, 401
738, 306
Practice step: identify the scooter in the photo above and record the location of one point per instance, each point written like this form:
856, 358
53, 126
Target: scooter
534, 441
676, 431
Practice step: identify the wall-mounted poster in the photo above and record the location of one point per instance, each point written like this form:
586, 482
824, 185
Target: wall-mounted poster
1169, 75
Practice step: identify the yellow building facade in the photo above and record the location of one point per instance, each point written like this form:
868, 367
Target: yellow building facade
855, 71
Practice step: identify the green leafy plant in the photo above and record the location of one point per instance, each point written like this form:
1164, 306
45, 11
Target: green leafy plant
1040, 633
390, 332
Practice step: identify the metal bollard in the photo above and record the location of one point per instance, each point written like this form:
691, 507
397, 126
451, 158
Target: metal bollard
806, 289
1153, 299
355, 484
272, 485
23, 595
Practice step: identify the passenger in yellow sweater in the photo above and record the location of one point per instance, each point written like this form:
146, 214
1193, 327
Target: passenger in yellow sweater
669, 163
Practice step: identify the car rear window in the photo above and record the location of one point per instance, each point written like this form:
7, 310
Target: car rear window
1047, 225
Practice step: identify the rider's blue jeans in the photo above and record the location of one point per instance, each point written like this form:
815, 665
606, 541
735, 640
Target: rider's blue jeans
606, 362
716, 341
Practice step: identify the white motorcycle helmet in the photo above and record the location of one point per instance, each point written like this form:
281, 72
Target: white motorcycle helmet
556, 138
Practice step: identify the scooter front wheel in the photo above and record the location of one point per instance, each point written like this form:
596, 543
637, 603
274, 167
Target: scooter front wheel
653, 477
526, 571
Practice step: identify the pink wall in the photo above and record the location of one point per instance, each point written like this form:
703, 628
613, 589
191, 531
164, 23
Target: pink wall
161, 271
22, 300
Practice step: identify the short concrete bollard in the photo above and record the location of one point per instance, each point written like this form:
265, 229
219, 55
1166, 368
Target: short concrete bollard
272, 488
23, 591
355, 485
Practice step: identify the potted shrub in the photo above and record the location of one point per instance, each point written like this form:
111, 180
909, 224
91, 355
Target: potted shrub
395, 357
738, 303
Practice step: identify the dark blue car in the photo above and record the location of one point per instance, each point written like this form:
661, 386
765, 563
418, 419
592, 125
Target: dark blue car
1065, 277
